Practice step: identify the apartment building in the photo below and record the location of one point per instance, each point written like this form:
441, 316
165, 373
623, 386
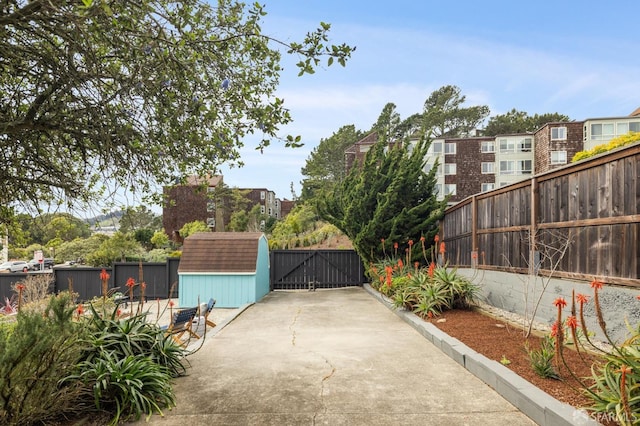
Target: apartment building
470, 165
203, 199
189, 202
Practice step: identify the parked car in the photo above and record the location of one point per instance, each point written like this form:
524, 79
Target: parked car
14, 266
36, 265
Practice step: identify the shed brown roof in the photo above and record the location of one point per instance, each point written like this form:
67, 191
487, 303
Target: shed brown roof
220, 252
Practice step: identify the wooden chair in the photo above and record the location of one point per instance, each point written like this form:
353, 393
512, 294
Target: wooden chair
181, 323
204, 316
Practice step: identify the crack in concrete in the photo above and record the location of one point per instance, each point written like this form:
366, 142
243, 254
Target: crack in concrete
322, 383
292, 325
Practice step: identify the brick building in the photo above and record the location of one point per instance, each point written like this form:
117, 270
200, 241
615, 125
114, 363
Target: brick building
470, 165
204, 199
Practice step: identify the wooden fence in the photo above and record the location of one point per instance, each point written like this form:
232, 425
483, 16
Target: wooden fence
160, 278
581, 221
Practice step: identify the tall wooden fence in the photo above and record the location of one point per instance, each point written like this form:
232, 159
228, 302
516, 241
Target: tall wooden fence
580, 221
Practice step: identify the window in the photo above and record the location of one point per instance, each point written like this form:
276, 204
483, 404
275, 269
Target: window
488, 168
623, 128
488, 146
261, 209
507, 167
524, 145
427, 168
450, 189
262, 195
437, 147
450, 169
449, 148
503, 184
513, 167
211, 222
602, 131
211, 206
364, 148
558, 157
438, 188
558, 133
524, 167
634, 126
507, 145
488, 186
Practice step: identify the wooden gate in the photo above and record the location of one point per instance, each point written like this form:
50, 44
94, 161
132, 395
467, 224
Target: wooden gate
305, 269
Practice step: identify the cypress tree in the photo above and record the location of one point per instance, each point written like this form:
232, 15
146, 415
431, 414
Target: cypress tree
389, 197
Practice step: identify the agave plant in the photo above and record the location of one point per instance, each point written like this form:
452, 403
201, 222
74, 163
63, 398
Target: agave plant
462, 292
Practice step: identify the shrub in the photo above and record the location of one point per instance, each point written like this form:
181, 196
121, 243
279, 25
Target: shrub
35, 287
35, 352
614, 143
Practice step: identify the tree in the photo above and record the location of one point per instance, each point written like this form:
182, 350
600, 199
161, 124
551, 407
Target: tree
136, 218
136, 93
444, 115
389, 197
119, 247
326, 166
160, 239
193, 227
63, 226
387, 123
516, 121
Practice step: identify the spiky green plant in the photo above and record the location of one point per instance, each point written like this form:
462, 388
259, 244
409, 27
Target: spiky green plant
541, 360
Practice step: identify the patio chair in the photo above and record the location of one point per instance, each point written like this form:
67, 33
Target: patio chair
181, 323
204, 315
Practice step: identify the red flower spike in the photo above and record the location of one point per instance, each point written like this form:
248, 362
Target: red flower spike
638, 297
554, 330
582, 298
560, 302
436, 238
572, 322
80, 309
410, 243
20, 287
131, 282
596, 284
422, 239
171, 303
442, 248
104, 276
395, 245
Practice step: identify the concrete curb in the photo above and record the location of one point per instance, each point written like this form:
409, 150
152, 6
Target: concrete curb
538, 405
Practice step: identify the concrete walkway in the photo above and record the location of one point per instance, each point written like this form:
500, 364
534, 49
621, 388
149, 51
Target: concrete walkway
334, 357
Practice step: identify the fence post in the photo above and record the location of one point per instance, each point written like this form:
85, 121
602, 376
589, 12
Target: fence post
474, 232
534, 202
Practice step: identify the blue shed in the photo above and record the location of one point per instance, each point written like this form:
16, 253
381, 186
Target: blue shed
231, 267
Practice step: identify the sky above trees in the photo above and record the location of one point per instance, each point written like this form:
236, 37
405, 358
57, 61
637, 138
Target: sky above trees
537, 57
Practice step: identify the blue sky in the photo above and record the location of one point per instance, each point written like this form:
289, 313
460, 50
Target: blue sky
576, 58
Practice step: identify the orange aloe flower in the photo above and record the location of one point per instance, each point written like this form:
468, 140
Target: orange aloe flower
432, 268
442, 248
572, 322
597, 285
560, 302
